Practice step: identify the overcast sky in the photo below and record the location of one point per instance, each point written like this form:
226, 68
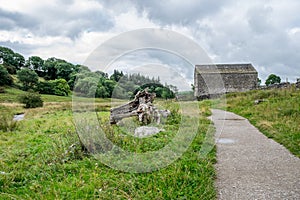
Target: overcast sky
265, 33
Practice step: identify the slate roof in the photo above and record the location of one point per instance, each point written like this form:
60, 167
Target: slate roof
225, 68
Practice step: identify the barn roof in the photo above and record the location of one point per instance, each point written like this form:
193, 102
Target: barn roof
225, 68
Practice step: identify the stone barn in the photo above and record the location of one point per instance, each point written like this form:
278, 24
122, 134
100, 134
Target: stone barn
214, 80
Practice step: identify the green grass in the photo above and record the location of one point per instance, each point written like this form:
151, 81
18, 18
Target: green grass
11, 95
278, 116
42, 159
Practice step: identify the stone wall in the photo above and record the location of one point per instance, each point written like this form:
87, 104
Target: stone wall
282, 85
239, 82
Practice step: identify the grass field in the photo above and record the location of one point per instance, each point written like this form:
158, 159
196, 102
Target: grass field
278, 116
40, 158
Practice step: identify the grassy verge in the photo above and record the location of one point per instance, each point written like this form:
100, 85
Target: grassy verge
41, 159
277, 116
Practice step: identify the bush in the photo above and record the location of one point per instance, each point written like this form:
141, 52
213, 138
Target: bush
31, 100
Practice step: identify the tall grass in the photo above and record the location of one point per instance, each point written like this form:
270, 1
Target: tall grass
6, 120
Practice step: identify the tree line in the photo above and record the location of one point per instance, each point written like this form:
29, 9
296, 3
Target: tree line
59, 77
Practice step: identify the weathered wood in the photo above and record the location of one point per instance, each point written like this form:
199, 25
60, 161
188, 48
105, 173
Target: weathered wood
140, 106
122, 116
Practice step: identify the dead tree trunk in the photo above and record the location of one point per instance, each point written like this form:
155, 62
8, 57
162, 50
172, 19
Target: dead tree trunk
141, 106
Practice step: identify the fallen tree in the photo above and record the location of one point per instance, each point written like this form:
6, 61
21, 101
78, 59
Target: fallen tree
141, 106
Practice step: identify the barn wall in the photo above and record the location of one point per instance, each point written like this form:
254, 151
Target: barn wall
208, 85
236, 82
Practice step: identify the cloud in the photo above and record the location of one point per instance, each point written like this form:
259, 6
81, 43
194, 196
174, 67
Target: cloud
171, 68
56, 19
255, 32
263, 32
12, 20
167, 74
159, 44
74, 19
259, 19
177, 12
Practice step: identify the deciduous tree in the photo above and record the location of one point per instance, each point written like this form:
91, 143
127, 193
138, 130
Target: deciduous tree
28, 78
5, 78
35, 63
272, 79
13, 61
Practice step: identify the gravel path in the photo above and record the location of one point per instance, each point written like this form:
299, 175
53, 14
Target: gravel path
251, 166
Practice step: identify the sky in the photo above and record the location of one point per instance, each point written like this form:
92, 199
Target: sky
265, 33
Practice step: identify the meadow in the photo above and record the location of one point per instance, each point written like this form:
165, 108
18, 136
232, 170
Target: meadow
41, 156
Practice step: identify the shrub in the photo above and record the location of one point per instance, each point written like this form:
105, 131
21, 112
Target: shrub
31, 100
